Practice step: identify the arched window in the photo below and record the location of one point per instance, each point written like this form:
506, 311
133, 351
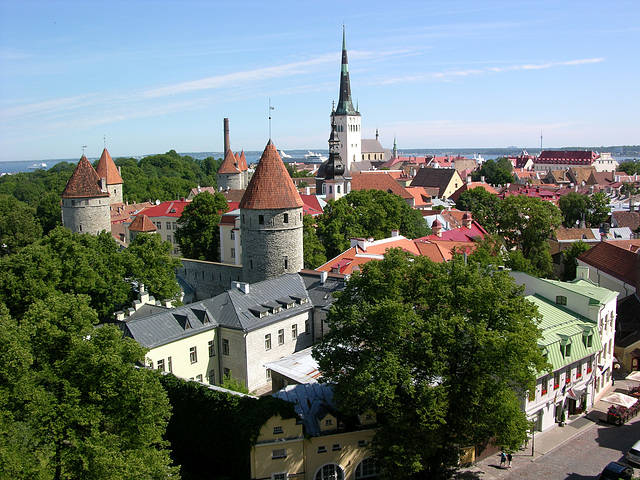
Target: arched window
330, 472
367, 469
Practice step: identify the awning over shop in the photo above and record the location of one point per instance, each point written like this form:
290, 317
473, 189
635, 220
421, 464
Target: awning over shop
576, 393
634, 377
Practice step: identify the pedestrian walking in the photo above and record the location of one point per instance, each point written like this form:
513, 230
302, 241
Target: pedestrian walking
509, 458
503, 459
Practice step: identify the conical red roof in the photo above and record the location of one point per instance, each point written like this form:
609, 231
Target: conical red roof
229, 164
142, 224
84, 182
107, 169
271, 186
242, 162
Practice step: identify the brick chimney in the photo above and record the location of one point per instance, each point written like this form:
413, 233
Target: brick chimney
226, 137
436, 227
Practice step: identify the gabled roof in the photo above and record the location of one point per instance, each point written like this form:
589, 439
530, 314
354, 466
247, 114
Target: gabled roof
242, 162
230, 164
461, 234
626, 219
84, 182
595, 294
312, 205
271, 186
142, 224
608, 257
566, 157
378, 181
371, 146
107, 169
574, 234
171, 208
434, 177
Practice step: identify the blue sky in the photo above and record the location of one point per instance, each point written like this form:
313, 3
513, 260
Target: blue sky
151, 76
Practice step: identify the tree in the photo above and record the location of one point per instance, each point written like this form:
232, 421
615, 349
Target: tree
49, 212
367, 213
526, 223
573, 207
152, 264
442, 353
198, 233
73, 403
19, 225
569, 259
496, 172
483, 205
630, 167
314, 251
597, 209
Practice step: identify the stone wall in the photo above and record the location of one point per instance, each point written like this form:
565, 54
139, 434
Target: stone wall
271, 243
86, 215
233, 181
209, 279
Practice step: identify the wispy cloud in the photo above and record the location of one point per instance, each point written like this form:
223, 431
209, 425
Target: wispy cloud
487, 70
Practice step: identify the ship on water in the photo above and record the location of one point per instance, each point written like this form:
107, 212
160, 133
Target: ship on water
315, 157
38, 165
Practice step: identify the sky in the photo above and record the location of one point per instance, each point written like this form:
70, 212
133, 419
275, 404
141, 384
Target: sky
144, 77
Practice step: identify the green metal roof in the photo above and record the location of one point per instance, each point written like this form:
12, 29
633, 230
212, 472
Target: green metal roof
561, 326
597, 295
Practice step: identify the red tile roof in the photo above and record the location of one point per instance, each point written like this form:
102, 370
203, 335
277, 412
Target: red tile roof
271, 186
566, 157
242, 162
107, 169
620, 263
142, 224
230, 164
311, 205
84, 182
172, 208
627, 219
461, 234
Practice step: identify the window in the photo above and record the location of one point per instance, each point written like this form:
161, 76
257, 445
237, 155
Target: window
279, 453
233, 235
588, 340
286, 262
336, 447
279, 476
561, 300
169, 238
233, 253
173, 225
212, 348
281, 336
565, 350
193, 355
268, 374
168, 225
362, 443
161, 365
328, 422
199, 378
322, 449
307, 327
294, 331
267, 341
278, 430
367, 469
285, 218
330, 472
225, 346
261, 219
169, 364
556, 380
212, 377
227, 372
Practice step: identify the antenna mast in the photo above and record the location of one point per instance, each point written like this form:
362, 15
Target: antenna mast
541, 140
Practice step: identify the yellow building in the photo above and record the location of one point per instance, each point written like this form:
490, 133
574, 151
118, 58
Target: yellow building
320, 444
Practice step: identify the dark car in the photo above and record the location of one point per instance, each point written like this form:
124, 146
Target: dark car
615, 471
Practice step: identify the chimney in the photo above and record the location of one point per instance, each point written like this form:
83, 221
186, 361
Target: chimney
103, 184
243, 287
466, 220
359, 242
469, 180
323, 277
436, 227
395, 233
226, 137
307, 190
582, 273
119, 316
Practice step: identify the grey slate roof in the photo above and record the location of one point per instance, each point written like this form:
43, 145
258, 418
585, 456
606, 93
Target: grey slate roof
173, 324
321, 295
311, 402
368, 145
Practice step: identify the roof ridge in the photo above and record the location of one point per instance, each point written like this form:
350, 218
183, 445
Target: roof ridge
84, 182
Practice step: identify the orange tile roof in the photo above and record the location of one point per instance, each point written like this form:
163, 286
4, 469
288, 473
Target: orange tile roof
562, 233
242, 162
230, 164
378, 181
106, 168
84, 182
142, 224
470, 186
271, 186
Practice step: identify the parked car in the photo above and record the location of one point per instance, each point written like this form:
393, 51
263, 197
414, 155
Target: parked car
616, 471
633, 455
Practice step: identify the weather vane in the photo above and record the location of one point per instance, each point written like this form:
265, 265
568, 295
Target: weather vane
83, 147
270, 108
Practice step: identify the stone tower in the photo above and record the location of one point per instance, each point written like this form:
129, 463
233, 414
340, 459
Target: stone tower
270, 221
233, 170
85, 201
347, 118
108, 170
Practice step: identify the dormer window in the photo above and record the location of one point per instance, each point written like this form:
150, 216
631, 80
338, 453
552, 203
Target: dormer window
561, 300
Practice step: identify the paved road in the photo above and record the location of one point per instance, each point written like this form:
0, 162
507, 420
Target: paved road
581, 458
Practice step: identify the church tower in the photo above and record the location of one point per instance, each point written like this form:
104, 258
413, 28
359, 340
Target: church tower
107, 169
347, 118
85, 201
334, 168
270, 221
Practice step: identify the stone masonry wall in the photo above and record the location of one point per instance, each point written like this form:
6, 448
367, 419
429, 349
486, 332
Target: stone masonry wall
273, 247
209, 279
233, 181
86, 215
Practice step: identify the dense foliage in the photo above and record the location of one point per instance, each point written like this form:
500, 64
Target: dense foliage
575, 207
67, 262
367, 214
314, 251
569, 259
441, 352
212, 432
495, 172
630, 167
199, 235
166, 176
72, 403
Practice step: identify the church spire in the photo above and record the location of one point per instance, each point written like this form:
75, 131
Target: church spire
345, 104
